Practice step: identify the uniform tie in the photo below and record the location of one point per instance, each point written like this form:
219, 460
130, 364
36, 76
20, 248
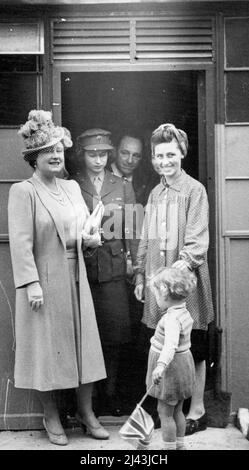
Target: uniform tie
97, 184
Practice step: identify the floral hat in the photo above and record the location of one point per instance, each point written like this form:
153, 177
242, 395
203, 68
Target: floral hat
39, 132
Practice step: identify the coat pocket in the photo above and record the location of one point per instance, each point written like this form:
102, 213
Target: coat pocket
118, 261
91, 262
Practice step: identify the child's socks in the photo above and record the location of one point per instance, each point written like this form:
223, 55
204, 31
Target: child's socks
142, 445
180, 443
169, 445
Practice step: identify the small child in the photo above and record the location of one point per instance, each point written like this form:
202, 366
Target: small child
170, 363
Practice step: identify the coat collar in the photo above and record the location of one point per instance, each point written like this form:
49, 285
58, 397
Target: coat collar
115, 171
108, 184
88, 187
79, 209
176, 186
51, 206
86, 184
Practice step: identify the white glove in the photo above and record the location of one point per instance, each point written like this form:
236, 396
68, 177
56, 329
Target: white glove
139, 292
93, 222
91, 241
35, 295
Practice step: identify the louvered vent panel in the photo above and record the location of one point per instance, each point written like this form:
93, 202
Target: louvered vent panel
129, 39
91, 39
174, 39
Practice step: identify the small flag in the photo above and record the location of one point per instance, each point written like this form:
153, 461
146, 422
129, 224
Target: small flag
139, 425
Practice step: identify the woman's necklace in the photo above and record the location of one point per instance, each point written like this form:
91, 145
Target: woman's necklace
58, 195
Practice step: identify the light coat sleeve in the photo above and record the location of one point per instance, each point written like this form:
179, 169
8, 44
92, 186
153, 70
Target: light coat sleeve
21, 235
196, 239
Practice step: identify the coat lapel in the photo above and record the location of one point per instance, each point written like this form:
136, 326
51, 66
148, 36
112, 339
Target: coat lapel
108, 184
50, 206
79, 208
88, 186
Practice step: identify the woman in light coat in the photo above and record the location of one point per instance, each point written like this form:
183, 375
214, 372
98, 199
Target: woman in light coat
57, 340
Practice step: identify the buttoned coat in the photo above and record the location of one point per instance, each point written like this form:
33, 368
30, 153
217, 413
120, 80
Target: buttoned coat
183, 208
108, 262
45, 340
106, 265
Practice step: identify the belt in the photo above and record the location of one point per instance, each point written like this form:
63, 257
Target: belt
182, 352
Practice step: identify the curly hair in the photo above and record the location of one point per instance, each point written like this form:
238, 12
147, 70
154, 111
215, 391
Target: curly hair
173, 282
167, 133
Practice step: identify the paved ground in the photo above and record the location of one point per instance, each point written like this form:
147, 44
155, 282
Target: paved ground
229, 438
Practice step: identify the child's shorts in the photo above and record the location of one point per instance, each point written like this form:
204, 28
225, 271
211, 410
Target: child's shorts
178, 379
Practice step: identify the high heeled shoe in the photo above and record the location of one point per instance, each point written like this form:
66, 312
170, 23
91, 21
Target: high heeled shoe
97, 432
57, 439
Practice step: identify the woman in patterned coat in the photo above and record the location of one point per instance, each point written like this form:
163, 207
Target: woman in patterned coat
175, 233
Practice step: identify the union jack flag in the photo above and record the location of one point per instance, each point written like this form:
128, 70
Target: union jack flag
139, 425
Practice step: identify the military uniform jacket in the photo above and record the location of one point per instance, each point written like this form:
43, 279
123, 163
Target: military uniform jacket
108, 262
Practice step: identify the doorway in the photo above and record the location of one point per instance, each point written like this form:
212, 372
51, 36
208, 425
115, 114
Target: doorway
137, 99
142, 100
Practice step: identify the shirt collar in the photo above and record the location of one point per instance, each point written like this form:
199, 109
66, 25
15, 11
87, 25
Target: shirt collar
117, 172
177, 307
176, 186
100, 176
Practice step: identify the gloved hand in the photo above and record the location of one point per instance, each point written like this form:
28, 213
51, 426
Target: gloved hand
35, 295
91, 241
139, 292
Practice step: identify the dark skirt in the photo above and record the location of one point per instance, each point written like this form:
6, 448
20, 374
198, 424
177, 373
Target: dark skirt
178, 379
112, 311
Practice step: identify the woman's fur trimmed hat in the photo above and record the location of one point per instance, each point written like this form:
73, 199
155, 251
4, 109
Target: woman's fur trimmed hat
39, 132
